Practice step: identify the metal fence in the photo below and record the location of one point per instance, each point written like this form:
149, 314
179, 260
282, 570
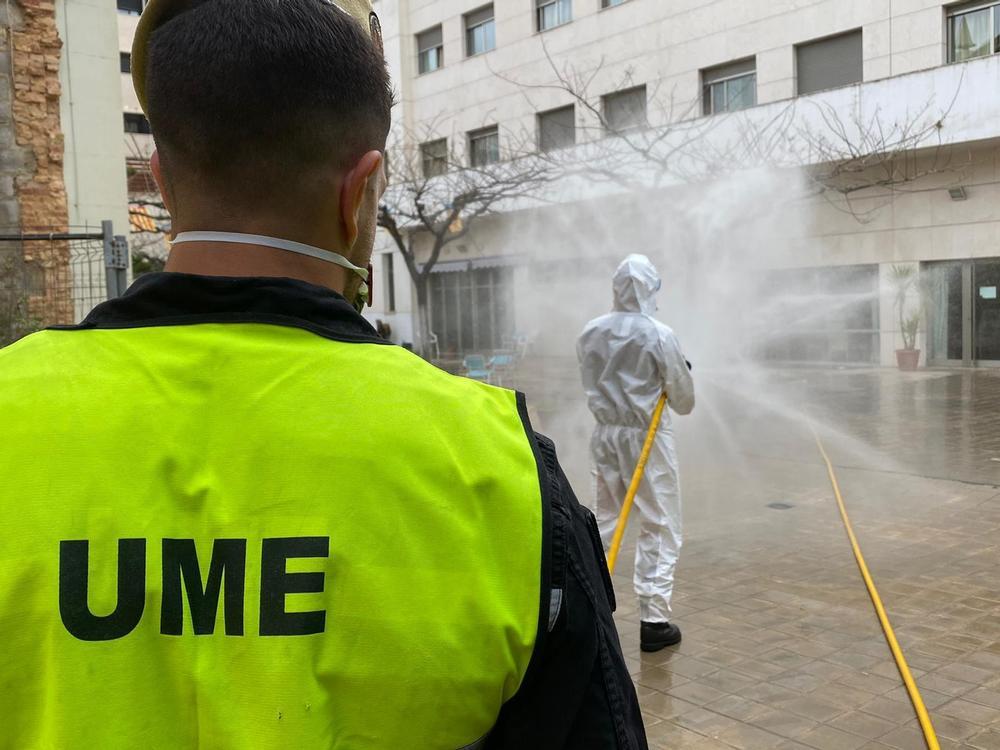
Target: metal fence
55, 278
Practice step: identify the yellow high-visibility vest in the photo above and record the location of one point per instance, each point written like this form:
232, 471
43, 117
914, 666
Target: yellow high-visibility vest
244, 535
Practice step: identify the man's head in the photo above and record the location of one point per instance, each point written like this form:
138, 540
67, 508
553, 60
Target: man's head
268, 116
635, 285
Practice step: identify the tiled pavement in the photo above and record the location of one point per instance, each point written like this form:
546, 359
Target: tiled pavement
781, 647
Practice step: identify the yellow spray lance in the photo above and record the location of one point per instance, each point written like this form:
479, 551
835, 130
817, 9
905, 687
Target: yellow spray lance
633, 488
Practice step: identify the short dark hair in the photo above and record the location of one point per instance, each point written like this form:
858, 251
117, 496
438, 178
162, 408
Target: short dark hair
269, 89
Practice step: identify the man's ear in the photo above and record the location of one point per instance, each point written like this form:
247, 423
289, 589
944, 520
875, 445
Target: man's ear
352, 193
154, 167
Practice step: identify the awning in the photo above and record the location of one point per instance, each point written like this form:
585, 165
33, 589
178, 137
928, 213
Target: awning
496, 261
139, 218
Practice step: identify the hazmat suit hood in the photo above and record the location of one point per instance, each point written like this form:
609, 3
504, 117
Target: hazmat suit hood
635, 285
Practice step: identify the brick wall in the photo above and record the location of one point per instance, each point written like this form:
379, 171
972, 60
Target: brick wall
32, 190
13, 158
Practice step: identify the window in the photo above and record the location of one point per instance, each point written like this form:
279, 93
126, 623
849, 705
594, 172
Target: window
135, 123
139, 177
480, 31
434, 156
829, 63
973, 31
125, 59
132, 7
729, 88
430, 50
484, 147
472, 310
556, 128
552, 13
845, 331
389, 274
611, 3
625, 110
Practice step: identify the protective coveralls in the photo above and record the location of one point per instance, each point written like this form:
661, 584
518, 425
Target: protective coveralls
627, 359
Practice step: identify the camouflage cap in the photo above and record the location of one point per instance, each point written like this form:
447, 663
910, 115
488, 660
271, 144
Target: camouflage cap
158, 12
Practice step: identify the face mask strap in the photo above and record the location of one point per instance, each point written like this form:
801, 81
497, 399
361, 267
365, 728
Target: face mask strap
364, 292
300, 248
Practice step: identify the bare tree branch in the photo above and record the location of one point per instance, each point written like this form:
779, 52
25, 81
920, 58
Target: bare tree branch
436, 197
843, 155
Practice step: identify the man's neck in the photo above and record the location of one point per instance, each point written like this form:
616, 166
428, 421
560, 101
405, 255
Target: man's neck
238, 259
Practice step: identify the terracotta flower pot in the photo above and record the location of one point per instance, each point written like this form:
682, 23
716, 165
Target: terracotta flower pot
908, 359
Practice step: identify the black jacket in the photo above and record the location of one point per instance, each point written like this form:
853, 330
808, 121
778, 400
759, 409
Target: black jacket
581, 696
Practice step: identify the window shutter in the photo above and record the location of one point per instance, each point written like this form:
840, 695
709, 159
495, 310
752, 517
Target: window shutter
429, 39
477, 17
557, 128
730, 70
829, 63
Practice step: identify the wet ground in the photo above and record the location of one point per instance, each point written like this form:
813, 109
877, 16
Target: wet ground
781, 645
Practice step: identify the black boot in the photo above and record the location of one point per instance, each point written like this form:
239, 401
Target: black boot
656, 635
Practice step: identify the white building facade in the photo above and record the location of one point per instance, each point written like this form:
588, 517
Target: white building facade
902, 95
94, 185
147, 218
139, 142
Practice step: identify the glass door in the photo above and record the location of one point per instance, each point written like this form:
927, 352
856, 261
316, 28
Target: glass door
945, 306
986, 311
963, 311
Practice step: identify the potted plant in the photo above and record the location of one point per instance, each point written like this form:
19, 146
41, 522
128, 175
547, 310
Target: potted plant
903, 279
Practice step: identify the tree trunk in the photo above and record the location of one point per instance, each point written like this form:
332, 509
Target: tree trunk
425, 347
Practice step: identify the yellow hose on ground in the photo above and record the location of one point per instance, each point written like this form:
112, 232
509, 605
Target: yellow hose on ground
616, 540
930, 737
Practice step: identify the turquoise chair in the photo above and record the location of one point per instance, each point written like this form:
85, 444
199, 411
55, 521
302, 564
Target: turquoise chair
476, 368
502, 364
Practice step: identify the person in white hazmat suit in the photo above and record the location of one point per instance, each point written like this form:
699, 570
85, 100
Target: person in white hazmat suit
627, 359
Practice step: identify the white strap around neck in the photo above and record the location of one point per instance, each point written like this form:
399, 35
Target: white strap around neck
276, 242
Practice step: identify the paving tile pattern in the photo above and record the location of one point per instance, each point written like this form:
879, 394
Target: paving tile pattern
781, 646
